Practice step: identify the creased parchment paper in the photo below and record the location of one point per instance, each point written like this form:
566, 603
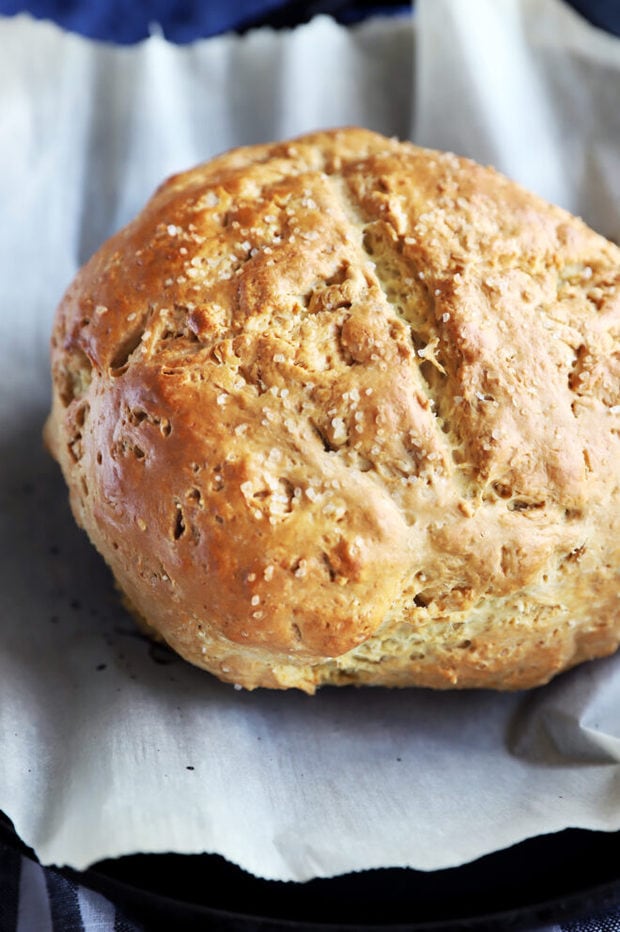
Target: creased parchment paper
112, 746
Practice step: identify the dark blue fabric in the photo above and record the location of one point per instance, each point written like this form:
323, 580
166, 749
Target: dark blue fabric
185, 20
119, 21
602, 13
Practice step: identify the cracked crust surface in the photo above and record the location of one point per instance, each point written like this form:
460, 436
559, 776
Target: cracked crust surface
344, 410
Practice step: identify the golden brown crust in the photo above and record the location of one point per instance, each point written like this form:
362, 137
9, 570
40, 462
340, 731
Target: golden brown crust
347, 410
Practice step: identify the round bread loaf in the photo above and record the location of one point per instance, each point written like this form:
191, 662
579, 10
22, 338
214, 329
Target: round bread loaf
344, 410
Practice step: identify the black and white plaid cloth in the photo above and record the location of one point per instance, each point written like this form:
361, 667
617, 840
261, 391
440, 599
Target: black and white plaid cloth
36, 899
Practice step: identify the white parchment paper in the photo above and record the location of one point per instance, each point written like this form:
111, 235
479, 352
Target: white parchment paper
112, 746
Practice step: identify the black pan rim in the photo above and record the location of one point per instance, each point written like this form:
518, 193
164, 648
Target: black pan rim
573, 906
591, 899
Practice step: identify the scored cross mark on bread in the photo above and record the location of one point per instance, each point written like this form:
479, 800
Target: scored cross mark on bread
344, 410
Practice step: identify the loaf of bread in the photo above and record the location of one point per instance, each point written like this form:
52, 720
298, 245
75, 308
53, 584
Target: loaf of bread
344, 410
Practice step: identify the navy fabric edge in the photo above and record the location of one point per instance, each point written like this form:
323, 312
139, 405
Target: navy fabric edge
184, 21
